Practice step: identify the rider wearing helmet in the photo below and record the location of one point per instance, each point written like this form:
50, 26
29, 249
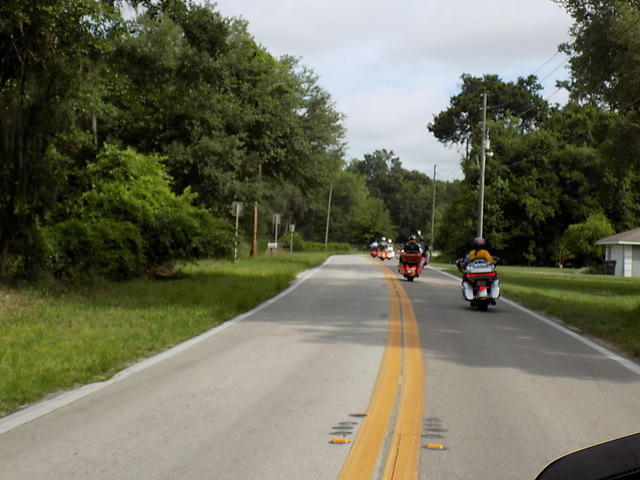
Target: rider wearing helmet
479, 250
412, 245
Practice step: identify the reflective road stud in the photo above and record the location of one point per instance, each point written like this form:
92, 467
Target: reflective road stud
435, 446
340, 440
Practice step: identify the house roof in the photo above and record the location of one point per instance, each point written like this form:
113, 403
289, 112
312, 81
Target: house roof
632, 237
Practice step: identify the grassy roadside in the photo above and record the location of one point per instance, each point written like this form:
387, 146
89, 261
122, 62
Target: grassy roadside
52, 340
604, 306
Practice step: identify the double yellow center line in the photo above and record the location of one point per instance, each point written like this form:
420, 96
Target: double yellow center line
400, 379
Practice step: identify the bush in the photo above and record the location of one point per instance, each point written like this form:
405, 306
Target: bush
579, 240
129, 221
104, 248
186, 234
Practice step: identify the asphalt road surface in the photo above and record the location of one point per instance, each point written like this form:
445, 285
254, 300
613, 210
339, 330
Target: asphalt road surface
348, 354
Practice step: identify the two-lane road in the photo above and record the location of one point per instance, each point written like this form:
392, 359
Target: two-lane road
503, 391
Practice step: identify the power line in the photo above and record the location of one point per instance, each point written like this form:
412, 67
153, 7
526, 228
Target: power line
554, 70
547, 62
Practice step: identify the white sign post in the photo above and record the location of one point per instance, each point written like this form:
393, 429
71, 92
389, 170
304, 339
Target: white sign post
276, 223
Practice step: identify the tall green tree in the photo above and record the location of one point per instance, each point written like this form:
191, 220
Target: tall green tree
196, 86
507, 101
604, 52
49, 89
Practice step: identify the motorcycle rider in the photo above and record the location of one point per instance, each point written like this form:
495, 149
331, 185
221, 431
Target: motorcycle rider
412, 246
478, 250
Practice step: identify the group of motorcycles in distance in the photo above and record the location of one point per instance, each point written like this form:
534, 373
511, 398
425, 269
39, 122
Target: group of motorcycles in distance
410, 264
480, 283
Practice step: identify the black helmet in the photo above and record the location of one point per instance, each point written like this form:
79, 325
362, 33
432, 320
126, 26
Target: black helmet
413, 237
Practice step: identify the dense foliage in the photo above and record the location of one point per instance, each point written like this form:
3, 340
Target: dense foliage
580, 162
124, 142
407, 194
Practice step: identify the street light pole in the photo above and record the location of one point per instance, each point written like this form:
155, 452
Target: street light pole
433, 209
482, 165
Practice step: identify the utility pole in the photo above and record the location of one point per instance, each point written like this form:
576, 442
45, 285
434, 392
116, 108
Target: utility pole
254, 236
433, 209
326, 230
483, 162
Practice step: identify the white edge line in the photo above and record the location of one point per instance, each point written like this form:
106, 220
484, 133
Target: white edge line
44, 407
625, 362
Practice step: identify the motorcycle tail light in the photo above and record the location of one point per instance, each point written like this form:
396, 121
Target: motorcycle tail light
488, 274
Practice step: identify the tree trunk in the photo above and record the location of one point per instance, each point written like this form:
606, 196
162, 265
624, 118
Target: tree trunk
4, 258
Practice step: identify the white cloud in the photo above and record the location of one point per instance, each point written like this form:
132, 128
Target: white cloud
392, 66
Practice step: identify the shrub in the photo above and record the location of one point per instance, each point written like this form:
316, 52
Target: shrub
104, 248
579, 240
129, 220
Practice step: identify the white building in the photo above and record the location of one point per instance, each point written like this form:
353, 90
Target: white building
624, 249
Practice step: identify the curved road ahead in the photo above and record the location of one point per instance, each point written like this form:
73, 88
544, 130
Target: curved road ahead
349, 353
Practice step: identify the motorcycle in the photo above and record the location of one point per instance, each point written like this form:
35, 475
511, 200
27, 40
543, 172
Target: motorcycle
411, 265
480, 283
390, 252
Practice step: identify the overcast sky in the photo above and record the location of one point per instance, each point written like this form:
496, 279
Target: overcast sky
392, 66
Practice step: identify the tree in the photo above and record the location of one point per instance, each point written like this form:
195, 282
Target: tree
232, 120
128, 220
507, 100
406, 194
605, 52
357, 216
579, 239
196, 86
47, 86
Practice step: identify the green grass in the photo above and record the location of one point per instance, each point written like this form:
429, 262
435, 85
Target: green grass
607, 307
55, 339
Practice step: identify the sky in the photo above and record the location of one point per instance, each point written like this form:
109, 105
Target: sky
392, 66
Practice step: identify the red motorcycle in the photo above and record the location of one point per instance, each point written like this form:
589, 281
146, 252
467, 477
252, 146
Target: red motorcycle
410, 265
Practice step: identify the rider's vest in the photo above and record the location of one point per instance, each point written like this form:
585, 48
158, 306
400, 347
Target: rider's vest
480, 253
